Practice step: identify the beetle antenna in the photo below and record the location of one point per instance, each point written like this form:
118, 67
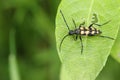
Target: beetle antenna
64, 20
62, 41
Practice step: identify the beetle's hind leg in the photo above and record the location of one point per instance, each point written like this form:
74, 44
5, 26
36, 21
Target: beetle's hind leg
94, 18
99, 24
107, 37
103, 23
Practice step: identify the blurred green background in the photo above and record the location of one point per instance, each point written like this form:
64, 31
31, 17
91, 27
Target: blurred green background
36, 55
34, 25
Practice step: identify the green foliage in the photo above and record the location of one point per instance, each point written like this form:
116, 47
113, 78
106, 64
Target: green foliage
34, 43
111, 70
88, 65
116, 48
14, 75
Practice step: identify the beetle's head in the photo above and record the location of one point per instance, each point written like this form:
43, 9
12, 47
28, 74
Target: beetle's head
71, 32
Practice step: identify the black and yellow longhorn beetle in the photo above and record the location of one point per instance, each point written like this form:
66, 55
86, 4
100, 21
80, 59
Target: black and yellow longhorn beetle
83, 31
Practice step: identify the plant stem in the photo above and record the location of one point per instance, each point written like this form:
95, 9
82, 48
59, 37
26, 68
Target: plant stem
13, 68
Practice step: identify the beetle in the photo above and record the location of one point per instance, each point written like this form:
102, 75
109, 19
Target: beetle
83, 31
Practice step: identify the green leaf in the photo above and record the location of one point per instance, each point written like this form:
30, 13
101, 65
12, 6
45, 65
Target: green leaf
115, 52
96, 50
64, 75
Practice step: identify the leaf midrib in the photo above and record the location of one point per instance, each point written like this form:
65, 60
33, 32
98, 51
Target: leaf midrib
90, 10
88, 18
